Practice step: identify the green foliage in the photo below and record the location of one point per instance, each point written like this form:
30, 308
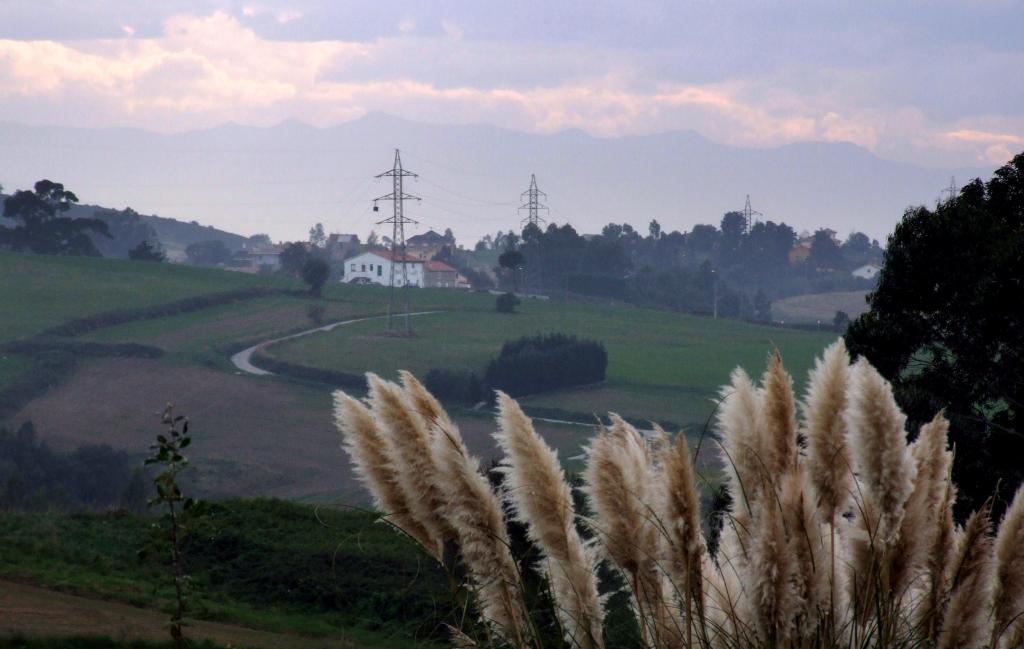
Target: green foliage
269, 564
293, 258
208, 253
146, 251
34, 477
168, 454
43, 227
506, 303
315, 272
540, 363
90, 642
841, 321
946, 327
454, 386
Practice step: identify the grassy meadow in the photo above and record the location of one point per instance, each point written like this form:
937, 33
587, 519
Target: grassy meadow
42, 291
662, 366
261, 564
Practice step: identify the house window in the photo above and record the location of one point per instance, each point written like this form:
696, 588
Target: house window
364, 268
379, 269
353, 266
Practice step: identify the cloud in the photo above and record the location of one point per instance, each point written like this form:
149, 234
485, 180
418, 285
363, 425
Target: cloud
200, 70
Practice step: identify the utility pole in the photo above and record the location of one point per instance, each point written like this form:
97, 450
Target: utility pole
748, 216
397, 221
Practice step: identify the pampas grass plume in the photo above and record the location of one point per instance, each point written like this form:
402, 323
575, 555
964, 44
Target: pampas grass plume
876, 430
371, 455
830, 467
966, 617
540, 499
474, 511
413, 459
1008, 599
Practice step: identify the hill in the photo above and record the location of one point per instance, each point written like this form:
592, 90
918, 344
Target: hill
103, 380
129, 228
282, 179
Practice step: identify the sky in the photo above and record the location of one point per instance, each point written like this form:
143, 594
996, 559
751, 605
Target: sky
935, 83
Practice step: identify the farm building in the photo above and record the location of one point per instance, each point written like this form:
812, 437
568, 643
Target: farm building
867, 271
374, 267
425, 246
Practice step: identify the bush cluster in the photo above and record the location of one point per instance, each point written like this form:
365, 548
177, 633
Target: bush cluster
454, 386
538, 363
35, 477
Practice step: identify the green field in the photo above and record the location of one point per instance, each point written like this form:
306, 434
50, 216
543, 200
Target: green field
42, 291
662, 366
262, 564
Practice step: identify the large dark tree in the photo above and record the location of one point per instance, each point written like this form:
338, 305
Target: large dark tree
315, 273
42, 226
208, 253
946, 326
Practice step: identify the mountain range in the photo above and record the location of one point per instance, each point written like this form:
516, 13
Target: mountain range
282, 179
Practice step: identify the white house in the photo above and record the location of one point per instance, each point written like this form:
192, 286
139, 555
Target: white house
375, 267
868, 271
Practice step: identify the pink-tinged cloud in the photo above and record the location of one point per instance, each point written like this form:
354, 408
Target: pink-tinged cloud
203, 70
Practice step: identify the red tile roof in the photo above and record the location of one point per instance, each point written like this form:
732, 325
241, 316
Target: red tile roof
387, 254
440, 267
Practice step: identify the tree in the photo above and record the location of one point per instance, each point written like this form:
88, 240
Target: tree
168, 453
841, 321
259, 240
506, 303
449, 236
43, 229
654, 229
208, 253
512, 259
317, 236
315, 273
371, 241
825, 254
146, 251
293, 258
762, 307
733, 230
946, 328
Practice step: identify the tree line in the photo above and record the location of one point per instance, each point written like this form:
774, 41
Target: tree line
731, 270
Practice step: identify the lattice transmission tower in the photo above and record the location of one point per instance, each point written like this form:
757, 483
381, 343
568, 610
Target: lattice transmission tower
397, 221
533, 206
748, 216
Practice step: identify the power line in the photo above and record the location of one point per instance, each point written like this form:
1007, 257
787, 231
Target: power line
397, 221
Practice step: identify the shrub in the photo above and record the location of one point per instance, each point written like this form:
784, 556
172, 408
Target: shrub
506, 303
545, 362
454, 385
847, 540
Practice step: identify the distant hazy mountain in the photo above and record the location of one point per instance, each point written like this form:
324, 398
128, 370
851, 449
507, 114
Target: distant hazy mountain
283, 179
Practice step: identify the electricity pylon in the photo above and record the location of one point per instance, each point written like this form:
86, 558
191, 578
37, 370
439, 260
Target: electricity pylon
397, 221
748, 216
532, 204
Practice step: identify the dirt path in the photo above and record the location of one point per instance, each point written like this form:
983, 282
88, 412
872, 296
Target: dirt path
243, 359
38, 612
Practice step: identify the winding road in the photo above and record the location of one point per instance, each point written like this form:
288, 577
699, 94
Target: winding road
243, 359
